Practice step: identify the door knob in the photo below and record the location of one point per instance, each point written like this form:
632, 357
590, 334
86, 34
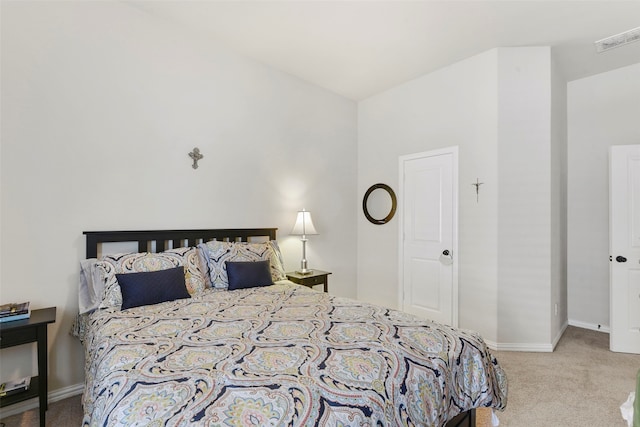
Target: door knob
620, 258
446, 258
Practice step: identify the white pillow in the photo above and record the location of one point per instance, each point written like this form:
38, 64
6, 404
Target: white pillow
91, 287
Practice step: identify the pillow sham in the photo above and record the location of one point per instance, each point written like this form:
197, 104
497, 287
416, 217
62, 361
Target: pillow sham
248, 274
195, 279
111, 265
91, 288
215, 254
152, 287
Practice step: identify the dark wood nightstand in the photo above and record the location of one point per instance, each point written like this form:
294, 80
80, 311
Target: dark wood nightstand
33, 329
316, 277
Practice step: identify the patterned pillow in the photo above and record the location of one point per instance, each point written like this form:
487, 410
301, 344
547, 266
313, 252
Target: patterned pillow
111, 265
215, 255
195, 273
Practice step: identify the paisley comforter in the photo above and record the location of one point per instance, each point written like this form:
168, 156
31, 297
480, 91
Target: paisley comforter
281, 355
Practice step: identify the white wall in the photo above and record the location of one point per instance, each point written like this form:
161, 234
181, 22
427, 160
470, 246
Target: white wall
603, 110
496, 107
101, 104
558, 296
455, 106
524, 196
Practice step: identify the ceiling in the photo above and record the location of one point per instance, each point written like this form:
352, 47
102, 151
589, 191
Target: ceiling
360, 48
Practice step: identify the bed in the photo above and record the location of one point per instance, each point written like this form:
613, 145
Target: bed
280, 354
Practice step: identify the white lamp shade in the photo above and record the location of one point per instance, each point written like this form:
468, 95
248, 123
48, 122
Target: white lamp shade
304, 224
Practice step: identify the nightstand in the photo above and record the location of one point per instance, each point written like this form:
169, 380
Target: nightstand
316, 277
33, 329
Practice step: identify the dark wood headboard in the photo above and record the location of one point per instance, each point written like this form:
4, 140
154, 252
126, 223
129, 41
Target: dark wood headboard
178, 238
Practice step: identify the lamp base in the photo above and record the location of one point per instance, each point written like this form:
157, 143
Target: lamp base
304, 271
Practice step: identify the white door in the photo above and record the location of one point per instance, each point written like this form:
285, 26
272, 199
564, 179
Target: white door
624, 237
428, 235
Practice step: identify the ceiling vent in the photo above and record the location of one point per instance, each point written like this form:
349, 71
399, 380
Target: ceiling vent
618, 40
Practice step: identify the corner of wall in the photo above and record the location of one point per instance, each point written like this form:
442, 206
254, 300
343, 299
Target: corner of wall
524, 200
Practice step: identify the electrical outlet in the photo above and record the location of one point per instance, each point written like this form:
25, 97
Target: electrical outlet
556, 308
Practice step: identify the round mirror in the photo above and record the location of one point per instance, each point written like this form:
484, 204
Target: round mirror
379, 204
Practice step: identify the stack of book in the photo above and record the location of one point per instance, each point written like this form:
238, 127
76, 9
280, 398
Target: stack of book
9, 312
13, 387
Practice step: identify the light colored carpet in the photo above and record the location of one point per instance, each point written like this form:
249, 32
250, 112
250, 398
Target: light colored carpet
580, 384
65, 413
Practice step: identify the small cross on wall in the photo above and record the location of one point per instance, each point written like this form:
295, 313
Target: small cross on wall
195, 155
477, 184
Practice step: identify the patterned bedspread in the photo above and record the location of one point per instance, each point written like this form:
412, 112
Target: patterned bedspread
281, 355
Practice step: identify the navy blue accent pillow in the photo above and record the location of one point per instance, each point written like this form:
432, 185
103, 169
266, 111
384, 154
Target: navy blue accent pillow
152, 287
243, 274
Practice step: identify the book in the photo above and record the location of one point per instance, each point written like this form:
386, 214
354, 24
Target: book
15, 317
14, 309
16, 386
10, 312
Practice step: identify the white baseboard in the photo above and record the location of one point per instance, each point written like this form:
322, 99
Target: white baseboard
529, 347
559, 335
534, 347
54, 396
592, 326
491, 344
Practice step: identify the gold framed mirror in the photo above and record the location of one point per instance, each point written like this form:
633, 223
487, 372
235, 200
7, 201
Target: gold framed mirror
379, 204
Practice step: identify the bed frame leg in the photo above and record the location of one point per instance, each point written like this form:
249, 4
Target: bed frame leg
465, 419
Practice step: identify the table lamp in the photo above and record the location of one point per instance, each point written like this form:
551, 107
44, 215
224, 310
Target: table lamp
303, 227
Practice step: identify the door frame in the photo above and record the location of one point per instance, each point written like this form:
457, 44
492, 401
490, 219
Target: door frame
453, 150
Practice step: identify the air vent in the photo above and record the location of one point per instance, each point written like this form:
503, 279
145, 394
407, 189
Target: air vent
618, 40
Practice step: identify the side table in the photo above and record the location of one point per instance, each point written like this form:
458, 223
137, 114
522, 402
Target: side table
316, 277
33, 329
